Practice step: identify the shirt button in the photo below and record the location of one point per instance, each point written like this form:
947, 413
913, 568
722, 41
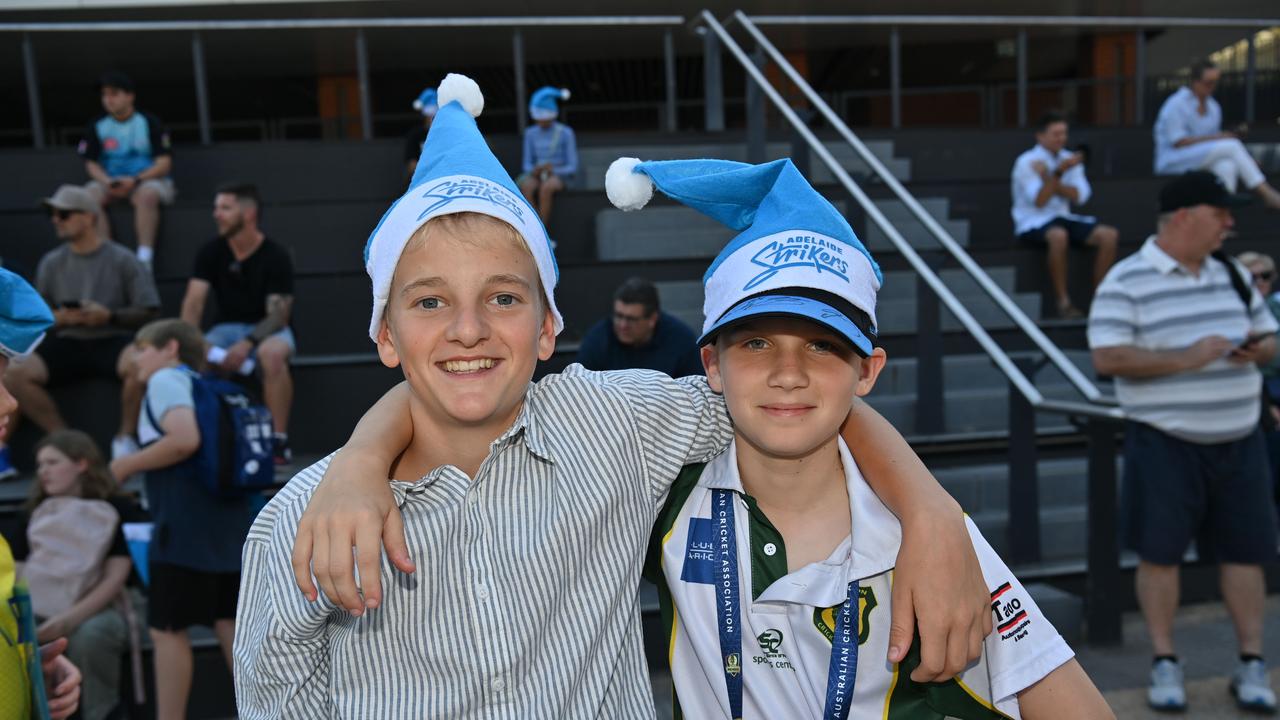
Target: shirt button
499, 684
770, 549
482, 591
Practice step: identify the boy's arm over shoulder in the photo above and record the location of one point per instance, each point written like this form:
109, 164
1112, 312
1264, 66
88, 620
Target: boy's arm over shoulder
281, 647
677, 421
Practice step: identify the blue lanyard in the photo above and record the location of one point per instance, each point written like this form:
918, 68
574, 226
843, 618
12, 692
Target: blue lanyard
843, 669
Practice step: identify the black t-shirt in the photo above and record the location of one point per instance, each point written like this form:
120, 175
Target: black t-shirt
240, 287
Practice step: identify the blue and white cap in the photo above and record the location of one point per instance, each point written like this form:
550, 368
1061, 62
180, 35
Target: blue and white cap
795, 254
456, 173
24, 316
545, 102
426, 102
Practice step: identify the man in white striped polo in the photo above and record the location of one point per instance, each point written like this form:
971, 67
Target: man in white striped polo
1182, 332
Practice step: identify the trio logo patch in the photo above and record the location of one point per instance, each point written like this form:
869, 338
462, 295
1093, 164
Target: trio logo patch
1010, 618
825, 618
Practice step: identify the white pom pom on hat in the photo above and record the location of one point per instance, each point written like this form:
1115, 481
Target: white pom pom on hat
464, 90
564, 93
627, 189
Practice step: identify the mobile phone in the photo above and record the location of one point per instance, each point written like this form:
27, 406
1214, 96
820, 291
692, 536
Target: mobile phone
1251, 340
71, 304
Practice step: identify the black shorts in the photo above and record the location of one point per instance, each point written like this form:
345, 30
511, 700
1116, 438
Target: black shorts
180, 597
72, 360
1177, 491
1077, 232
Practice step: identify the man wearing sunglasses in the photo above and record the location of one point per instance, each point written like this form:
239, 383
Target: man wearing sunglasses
100, 294
640, 336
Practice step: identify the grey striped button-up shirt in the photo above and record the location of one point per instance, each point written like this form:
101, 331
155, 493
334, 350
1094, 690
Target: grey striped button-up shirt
524, 601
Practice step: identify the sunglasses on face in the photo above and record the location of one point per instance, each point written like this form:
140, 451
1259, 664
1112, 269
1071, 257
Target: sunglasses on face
1264, 276
59, 214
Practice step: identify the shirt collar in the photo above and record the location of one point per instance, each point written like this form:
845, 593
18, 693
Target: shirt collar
871, 549
1162, 261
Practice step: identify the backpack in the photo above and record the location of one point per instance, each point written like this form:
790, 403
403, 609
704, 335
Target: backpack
69, 539
235, 453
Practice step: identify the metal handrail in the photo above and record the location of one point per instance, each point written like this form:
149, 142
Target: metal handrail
1018, 21
997, 354
980, 276
347, 23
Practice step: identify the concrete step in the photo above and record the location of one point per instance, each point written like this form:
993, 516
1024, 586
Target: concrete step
1063, 532
1062, 482
969, 410
594, 161
915, 233
968, 372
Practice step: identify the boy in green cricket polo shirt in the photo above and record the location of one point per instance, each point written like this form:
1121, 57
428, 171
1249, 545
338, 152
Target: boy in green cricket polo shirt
773, 559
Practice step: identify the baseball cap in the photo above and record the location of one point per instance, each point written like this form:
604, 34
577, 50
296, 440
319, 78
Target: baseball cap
795, 255
71, 197
1199, 187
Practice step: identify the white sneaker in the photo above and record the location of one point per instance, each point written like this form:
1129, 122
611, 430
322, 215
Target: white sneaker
122, 445
1166, 691
1251, 688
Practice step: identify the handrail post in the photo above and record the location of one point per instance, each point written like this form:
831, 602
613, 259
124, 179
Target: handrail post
202, 88
517, 61
895, 78
362, 76
1024, 475
931, 409
669, 67
1250, 78
1102, 577
712, 82
1022, 77
755, 114
1139, 75
33, 91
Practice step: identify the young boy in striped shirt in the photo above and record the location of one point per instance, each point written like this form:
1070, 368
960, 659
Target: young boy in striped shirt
531, 503
773, 559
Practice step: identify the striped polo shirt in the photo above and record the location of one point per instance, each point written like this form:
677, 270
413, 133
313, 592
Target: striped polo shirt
787, 619
1150, 301
524, 602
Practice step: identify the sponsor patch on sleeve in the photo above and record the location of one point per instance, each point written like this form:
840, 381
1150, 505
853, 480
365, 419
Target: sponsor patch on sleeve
699, 555
1010, 617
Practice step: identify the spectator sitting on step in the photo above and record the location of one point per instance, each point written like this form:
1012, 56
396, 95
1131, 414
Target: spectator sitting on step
1189, 136
24, 319
101, 294
127, 155
194, 555
97, 622
251, 277
640, 336
550, 157
1179, 328
1047, 180
425, 104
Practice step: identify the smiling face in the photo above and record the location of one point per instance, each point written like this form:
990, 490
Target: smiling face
466, 322
788, 383
58, 474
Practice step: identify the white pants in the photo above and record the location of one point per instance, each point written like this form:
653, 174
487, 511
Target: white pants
1225, 158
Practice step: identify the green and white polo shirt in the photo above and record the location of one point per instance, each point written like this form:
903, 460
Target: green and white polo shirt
788, 619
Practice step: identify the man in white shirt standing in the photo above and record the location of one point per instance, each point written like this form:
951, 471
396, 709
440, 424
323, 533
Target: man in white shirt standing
1189, 136
1046, 181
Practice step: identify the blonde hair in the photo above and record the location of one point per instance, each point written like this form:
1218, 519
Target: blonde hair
158, 333
1250, 257
95, 482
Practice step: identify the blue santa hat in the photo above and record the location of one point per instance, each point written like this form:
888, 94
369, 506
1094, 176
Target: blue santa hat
24, 316
456, 173
426, 103
545, 102
795, 254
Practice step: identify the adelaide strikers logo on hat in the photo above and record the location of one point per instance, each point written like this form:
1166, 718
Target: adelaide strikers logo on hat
806, 251
475, 188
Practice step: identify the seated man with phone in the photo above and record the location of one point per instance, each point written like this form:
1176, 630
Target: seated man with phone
100, 294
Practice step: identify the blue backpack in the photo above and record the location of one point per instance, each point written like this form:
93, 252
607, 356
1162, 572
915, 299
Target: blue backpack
235, 455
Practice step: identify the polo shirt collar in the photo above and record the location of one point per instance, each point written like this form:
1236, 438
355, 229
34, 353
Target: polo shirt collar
1155, 256
871, 550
